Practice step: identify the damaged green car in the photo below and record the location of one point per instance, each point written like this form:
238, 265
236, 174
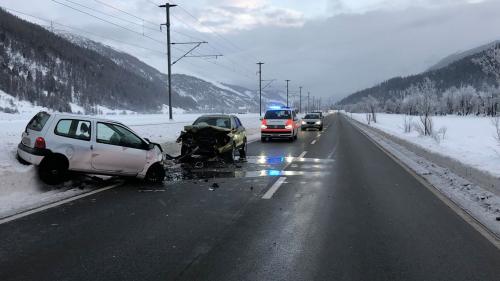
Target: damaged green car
211, 136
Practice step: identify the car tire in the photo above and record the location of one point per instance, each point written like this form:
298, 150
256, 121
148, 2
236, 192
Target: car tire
243, 150
230, 156
321, 128
21, 160
155, 174
53, 170
263, 139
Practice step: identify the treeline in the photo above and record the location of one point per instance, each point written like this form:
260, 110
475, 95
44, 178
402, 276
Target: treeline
463, 100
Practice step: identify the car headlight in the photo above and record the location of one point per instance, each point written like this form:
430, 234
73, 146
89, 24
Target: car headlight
303, 122
318, 122
263, 126
289, 127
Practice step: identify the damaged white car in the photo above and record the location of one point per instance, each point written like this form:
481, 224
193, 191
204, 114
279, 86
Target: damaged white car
59, 143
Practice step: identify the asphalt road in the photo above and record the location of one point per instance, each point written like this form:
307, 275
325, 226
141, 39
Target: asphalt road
345, 211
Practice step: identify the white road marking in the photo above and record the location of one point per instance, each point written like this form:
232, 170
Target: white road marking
313, 142
269, 194
55, 204
302, 154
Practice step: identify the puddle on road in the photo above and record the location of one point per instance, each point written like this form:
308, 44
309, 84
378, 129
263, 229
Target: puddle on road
254, 167
284, 159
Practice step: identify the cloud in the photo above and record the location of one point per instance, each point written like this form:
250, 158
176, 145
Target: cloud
363, 6
232, 16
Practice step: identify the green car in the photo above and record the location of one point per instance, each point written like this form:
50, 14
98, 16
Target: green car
214, 136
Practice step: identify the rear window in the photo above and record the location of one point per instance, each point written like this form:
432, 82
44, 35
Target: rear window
312, 116
278, 114
38, 121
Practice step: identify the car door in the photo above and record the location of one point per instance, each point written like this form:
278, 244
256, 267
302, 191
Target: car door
73, 139
240, 132
118, 150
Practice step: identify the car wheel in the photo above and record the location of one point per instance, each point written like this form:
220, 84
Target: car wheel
21, 160
155, 173
230, 155
53, 170
243, 150
321, 128
263, 139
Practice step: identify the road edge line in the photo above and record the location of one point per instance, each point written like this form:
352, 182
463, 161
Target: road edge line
55, 204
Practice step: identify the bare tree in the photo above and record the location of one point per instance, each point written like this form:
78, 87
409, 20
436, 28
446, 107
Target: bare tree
371, 105
496, 123
427, 98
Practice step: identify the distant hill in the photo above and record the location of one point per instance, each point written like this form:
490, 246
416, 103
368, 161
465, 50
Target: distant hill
460, 55
478, 68
64, 71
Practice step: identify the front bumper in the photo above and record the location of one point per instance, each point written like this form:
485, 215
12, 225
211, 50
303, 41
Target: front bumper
32, 155
313, 126
276, 133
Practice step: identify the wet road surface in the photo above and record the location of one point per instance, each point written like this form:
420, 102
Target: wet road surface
330, 206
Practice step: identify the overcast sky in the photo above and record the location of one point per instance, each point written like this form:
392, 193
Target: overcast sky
331, 47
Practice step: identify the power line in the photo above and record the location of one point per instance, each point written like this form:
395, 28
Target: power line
125, 12
110, 22
85, 31
113, 16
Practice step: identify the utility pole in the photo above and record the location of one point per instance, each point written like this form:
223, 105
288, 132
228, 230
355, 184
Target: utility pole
260, 87
287, 81
300, 99
167, 7
308, 94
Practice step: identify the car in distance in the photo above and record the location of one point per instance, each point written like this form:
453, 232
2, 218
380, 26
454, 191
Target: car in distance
214, 136
58, 143
312, 121
279, 122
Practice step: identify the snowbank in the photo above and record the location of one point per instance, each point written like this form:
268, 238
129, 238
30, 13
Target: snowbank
469, 140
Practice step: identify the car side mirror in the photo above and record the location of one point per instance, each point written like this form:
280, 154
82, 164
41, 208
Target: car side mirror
151, 146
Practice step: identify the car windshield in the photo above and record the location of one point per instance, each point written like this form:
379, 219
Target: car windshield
278, 114
311, 116
223, 122
38, 121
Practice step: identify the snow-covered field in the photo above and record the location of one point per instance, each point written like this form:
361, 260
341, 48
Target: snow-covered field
470, 140
20, 187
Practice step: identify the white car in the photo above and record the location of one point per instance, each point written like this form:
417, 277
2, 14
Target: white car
59, 143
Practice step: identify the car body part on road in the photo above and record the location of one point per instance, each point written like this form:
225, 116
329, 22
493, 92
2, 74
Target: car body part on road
280, 123
213, 136
58, 143
312, 121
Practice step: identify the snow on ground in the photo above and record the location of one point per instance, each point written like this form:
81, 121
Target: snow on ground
20, 187
469, 140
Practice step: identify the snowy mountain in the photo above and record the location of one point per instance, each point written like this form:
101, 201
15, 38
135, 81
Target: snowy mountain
65, 71
479, 71
460, 55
